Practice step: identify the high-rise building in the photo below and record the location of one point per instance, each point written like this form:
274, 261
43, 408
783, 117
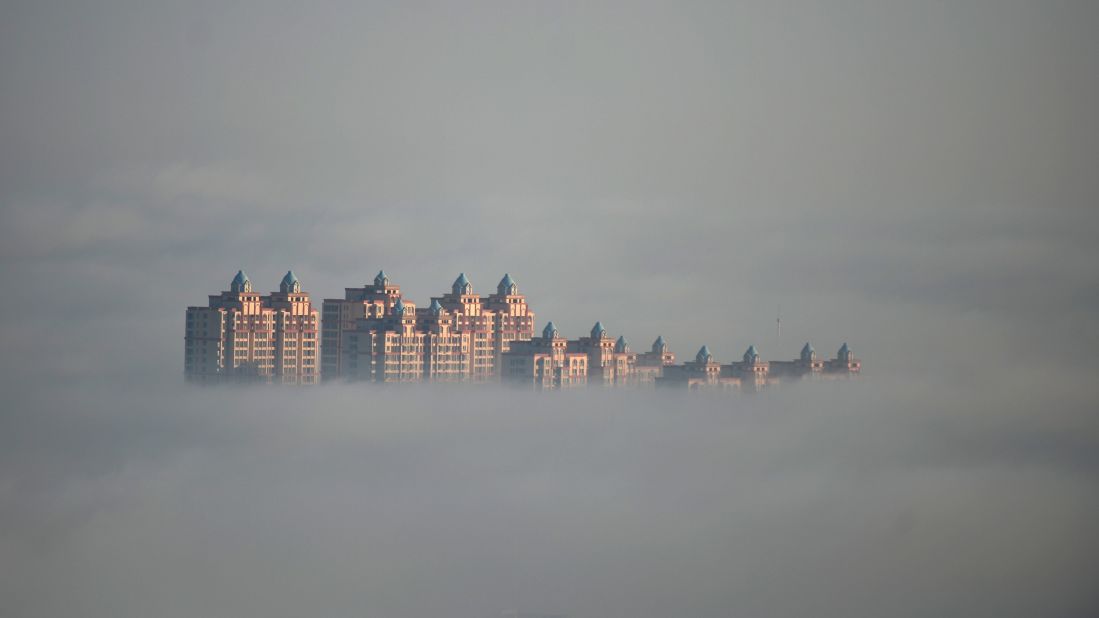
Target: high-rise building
341, 315
243, 336
446, 351
512, 318
461, 336
470, 316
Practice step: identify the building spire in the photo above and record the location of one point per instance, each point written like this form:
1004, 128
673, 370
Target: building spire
462, 285
704, 355
659, 346
507, 286
290, 283
240, 283
751, 355
597, 331
550, 331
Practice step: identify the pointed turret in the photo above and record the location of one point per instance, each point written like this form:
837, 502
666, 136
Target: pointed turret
845, 353
435, 308
659, 346
381, 280
240, 283
597, 331
622, 345
290, 283
751, 356
808, 354
704, 355
399, 307
550, 331
507, 286
462, 285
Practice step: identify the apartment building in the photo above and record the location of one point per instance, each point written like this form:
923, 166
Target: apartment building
244, 336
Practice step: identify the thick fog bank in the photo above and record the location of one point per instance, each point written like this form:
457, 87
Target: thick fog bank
917, 179
870, 497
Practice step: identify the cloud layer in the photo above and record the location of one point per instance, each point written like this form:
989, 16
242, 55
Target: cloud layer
884, 497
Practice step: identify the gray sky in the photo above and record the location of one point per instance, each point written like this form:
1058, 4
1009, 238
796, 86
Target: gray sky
917, 179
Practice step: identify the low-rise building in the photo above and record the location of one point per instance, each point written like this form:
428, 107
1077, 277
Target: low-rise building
752, 371
845, 363
701, 373
809, 365
545, 362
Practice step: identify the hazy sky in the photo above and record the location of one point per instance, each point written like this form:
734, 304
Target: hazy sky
917, 179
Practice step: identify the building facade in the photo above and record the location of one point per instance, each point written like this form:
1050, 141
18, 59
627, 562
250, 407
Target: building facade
342, 315
752, 373
702, 373
650, 365
545, 362
243, 336
461, 336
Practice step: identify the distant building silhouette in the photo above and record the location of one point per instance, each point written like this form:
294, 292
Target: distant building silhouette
375, 334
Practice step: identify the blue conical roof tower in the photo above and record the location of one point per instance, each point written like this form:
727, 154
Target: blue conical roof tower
659, 345
704, 355
844, 353
622, 345
462, 285
240, 283
507, 286
550, 331
597, 331
807, 352
751, 356
290, 282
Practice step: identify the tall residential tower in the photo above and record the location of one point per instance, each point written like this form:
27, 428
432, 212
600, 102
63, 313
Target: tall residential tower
243, 336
